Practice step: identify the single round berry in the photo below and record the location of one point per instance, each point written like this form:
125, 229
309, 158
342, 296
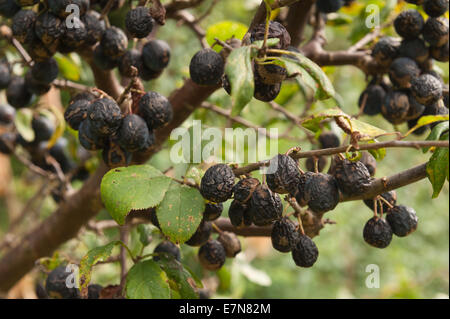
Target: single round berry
156, 55
377, 232
284, 235
206, 67
167, 247
435, 8
45, 71
321, 192
426, 89
115, 156
240, 214
386, 50
8, 8
416, 109
329, 140
74, 37
435, 31
139, 22
276, 30
133, 133
8, 142
7, 114
266, 206
95, 27
212, 211
43, 128
305, 252
369, 162
132, 58
390, 197
49, 28
114, 42
77, 112
415, 49
396, 106
283, 174
244, 189
56, 284
440, 53
329, 6
265, 92
409, 24
201, 235
155, 109
403, 220
372, 98
212, 255
17, 93
23, 26
5, 74
230, 242
353, 178
35, 86
89, 138
402, 71
105, 116
217, 183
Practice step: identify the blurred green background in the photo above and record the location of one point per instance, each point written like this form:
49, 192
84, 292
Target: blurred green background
413, 267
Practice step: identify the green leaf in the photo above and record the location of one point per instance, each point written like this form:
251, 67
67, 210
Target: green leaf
184, 283
132, 188
436, 133
299, 64
146, 280
180, 212
428, 119
68, 68
92, 258
240, 74
366, 131
270, 42
22, 121
144, 232
437, 169
225, 30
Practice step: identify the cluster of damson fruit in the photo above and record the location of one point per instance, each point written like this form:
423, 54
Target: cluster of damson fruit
329, 6
414, 89
101, 125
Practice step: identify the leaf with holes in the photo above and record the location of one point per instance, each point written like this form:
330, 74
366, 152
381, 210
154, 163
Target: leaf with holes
240, 74
132, 188
180, 212
146, 280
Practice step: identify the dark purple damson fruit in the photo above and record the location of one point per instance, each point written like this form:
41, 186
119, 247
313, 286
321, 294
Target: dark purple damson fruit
266, 206
89, 138
390, 197
115, 156
8, 8
403, 220
155, 109
17, 93
201, 235
94, 291
435, 8
45, 71
244, 189
206, 67
105, 116
240, 214
283, 174
139, 22
40, 51
426, 89
271, 73
377, 232
22, 26
230, 242
284, 235
56, 286
7, 114
329, 6
73, 38
103, 61
305, 252
353, 178
114, 42
416, 109
415, 49
8, 142
435, 31
276, 30
217, 183
76, 112
59, 7
440, 53
300, 194
396, 106
386, 50
409, 24
373, 98
167, 247
212, 255
49, 28
212, 211
321, 192
132, 58
35, 86
133, 133
156, 55
329, 140
369, 162
265, 92
5, 74
402, 71
43, 128
94, 27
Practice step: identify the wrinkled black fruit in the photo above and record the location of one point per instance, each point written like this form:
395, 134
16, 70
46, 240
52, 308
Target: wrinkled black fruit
377, 232
139, 22
390, 197
386, 50
114, 42
352, 178
56, 285
283, 174
271, 73
201, 235
155, 109
217, 183
45, 71
58, 7
415, 49
132, 58
76, 112
74, 38
300, 194
212, 255
8, 8
104, 61
240, 214
435, 31
403, 220
276, 30
396, 107
230, 242
206, 67
105, 116
17, 93
212, 211
156, 55
133, 133
284, 236
426, 89
435, 8
372, 98
168, 248
244, 189
402, 71
94, 27
409, 24
440, 53
49, 28
305, 252
23, 26
35, 86
89, 138
115, 156
321, 193
266, 206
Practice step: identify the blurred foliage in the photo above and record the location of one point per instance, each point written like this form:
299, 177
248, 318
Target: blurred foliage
412, 267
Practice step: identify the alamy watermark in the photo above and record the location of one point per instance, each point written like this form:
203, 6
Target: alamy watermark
373, 279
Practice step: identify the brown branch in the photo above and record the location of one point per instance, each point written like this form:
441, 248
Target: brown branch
297, 19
